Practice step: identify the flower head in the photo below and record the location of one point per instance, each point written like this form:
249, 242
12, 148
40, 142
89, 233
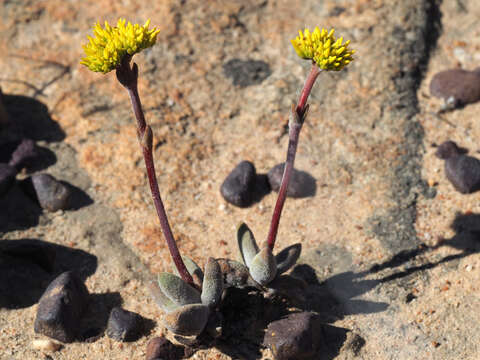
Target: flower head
323, 49
110, 45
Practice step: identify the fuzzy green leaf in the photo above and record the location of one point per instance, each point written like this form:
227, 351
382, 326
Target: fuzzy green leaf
246, 243
162, 300
178, 290
288, 257
263, 268
212, 284
193, 269
188, 320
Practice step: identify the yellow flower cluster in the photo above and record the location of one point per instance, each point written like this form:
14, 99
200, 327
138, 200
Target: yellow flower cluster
106, 50
323, 49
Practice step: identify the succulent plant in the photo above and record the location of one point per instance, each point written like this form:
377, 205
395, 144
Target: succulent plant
263, 266
187, 309
190, 296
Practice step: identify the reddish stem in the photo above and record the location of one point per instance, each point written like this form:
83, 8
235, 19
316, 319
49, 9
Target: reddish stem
295, 125
128, 78
307, 88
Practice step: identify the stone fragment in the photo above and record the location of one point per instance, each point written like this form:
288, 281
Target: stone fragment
25, 154
295, 337
238, 187
161, 348
46, 345
301, 183
7, 177
456, 86
52, 195
246, 72
124, 325
462, 171
60, 308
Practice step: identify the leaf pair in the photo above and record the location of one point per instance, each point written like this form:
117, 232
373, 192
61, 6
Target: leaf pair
262, 264
187, 309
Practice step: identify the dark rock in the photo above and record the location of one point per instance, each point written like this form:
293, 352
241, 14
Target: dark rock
60, 308
246, 72
409, 298
448, 149
456, 86
7, 177
297, 336
124, 325
25, 154
301, 183
462, 171
161, 348
91, 335
239, 186
51, 194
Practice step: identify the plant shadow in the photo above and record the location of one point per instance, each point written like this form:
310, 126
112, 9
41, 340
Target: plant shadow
248, 314
20, 211
30, 118
27, 266
334, 297
23, 209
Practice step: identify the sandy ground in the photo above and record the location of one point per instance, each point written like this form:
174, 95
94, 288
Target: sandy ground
393, 245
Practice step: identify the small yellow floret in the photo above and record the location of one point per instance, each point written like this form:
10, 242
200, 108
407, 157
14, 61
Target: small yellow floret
107, 48
323, 49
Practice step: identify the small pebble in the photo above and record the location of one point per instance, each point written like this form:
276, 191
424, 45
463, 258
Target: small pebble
297, 336
301, 183
25, 154
60, 308
46, 345
458, 86
124, 325
239, 186
462, 171
161, 348
7, 177
52, 195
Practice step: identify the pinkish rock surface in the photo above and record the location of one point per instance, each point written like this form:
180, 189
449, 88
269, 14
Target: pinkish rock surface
394, 248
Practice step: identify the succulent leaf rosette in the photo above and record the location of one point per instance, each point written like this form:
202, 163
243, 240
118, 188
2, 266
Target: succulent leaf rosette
263, 266
187, 309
